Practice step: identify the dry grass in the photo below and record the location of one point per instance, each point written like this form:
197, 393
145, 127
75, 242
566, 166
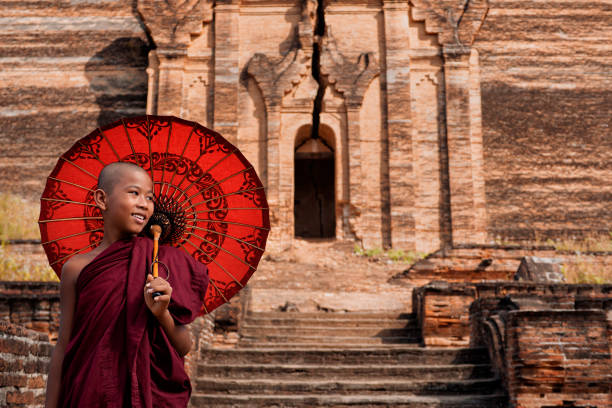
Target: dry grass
393, 255
591, 243
582, 263
18, 218
584, 266
587, 269
15, 266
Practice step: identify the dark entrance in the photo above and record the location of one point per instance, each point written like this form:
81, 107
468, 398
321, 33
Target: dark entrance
314, 200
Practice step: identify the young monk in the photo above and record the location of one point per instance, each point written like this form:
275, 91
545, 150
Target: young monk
118, 346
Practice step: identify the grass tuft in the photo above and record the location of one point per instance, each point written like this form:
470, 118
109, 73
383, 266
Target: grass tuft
393, 255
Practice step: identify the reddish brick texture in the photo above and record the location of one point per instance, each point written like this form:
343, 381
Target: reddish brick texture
445, 132
544, 69
24, 360
550, 343
442, 311
33, 305
556, 356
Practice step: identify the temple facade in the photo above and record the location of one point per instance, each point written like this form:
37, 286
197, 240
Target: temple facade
413, 124
368, 130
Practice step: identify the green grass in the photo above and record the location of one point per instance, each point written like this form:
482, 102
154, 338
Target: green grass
18, 218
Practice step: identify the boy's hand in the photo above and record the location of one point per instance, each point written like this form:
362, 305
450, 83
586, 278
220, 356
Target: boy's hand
159, 304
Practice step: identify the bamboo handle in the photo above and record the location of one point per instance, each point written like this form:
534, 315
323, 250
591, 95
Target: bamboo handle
156, 230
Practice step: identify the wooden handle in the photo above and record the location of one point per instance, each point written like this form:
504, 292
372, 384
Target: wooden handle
156, 230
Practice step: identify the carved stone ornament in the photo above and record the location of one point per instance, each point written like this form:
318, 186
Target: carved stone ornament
171, 22
277, 76
350, 78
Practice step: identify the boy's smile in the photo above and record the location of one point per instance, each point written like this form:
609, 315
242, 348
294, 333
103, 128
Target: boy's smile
131, 199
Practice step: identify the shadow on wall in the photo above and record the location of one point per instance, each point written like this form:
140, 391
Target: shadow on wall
118, 79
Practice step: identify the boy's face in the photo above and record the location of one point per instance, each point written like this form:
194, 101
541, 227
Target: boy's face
129, 205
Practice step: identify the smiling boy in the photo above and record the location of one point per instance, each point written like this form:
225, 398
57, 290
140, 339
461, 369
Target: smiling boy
118, 346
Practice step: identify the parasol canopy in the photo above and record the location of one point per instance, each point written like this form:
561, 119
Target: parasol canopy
208, 198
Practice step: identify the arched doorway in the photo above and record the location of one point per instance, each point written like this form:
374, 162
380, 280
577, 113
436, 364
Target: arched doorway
314, 205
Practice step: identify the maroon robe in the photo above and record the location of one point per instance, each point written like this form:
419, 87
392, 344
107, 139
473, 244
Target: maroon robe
118, 354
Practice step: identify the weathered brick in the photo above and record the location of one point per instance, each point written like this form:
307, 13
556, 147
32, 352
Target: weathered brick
17, 397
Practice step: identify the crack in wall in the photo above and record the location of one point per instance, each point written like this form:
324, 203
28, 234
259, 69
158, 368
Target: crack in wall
319, 32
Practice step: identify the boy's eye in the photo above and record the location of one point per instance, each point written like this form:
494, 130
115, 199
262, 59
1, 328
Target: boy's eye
150, 198
134, 192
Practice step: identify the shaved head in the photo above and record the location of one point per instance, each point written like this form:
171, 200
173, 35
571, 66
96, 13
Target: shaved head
112, 173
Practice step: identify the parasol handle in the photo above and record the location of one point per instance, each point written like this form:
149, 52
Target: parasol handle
156, 230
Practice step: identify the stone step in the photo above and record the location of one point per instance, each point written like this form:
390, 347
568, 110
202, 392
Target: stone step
292, 331
283, 340
322, 346
392, 315
345, 372
346, 401
389, 354
374, 386
329, 322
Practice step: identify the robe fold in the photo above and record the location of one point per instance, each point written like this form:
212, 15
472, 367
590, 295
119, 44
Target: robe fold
118, 354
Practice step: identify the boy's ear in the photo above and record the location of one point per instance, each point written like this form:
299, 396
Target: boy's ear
100, 199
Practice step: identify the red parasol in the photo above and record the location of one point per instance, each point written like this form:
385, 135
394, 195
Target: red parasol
208, 198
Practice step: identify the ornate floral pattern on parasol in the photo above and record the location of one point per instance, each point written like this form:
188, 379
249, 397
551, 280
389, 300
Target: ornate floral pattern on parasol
208, 198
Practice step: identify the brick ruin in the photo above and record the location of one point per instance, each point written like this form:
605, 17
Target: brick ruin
549, 344
433, 126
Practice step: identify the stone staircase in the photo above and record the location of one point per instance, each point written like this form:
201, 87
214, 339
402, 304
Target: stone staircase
290, 359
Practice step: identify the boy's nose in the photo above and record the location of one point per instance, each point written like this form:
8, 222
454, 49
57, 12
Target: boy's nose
142, 202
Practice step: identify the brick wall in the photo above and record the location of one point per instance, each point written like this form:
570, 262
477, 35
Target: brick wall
65, 68
455, 314
33, 305
24, 360
442, 311
557, 356
201, 335
550, 343
546, 103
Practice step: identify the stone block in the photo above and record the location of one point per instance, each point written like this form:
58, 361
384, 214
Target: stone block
443, 313
537, 269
